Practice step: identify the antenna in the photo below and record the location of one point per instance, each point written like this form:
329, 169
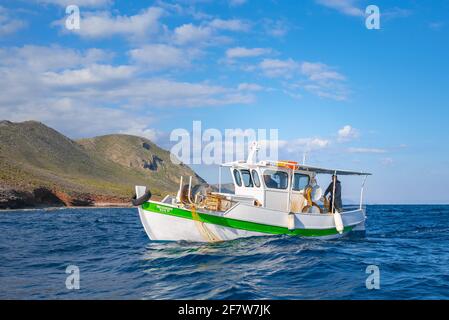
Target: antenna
254, 147
304, 158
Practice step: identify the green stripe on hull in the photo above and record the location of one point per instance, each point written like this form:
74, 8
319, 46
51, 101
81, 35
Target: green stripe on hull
239, 224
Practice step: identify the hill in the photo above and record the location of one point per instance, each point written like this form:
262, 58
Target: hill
39, 166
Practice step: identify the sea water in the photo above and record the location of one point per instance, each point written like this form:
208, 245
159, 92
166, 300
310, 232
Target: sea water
407, 246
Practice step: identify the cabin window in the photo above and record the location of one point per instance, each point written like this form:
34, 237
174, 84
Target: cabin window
247, 180
256, 178
275, 179
301, 181
238, 179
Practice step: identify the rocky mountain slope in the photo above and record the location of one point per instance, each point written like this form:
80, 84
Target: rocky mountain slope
40, 167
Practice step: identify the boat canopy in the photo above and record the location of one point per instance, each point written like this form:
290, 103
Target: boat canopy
295, 166
331, 171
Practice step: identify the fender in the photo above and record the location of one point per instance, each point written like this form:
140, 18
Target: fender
142, 199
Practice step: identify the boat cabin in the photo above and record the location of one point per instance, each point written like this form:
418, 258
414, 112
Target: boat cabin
280, 185
269, 184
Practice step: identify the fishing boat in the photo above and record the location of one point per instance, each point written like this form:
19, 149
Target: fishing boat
270, 198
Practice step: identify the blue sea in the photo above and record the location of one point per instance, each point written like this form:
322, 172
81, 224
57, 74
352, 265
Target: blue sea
408, 244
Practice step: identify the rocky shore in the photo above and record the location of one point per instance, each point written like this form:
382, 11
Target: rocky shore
43, 197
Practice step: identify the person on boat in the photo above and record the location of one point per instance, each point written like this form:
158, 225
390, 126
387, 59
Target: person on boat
338, 205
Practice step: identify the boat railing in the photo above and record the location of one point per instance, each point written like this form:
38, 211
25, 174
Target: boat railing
351, 207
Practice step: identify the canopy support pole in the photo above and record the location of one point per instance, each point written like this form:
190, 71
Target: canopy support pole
334, 182
361, 192
219, 179
292, 180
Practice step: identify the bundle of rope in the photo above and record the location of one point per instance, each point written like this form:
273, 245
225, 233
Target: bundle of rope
208, 235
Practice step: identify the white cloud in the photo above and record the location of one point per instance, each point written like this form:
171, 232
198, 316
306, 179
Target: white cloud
230, 25
347, 133
74, 117
39, 58
312, 143
206, 32
249, 87
168, 93
241, 52
147, 27
8, 24
92, 75
79, 93
279, 68
162, 56
316, 72
319, 72
320, 79
23, 71
347, 7
353, 8
143, 131
323, 81
303, 144
335, 92
80, 3
276, 28
103, 25
189, 33
366, 150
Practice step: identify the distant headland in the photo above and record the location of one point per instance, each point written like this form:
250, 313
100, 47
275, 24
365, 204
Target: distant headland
40, 167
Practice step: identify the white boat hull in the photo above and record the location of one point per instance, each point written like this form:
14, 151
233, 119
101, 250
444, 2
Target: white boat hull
167, 222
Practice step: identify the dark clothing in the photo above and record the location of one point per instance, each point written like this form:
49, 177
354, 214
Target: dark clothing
338, 203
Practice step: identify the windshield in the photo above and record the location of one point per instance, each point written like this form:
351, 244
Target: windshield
300, 181
275, 179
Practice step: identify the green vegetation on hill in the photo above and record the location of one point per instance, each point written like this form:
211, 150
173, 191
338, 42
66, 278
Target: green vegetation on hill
101, 169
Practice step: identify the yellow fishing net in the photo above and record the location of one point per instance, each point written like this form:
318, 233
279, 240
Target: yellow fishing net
208, 235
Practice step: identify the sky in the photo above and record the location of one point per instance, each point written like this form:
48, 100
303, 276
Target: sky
349, 97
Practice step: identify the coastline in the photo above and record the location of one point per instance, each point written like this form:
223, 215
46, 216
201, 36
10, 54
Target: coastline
51, 208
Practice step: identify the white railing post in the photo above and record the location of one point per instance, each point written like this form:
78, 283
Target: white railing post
190, 190
179, 194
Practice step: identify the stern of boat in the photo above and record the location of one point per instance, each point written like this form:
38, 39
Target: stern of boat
360, 228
